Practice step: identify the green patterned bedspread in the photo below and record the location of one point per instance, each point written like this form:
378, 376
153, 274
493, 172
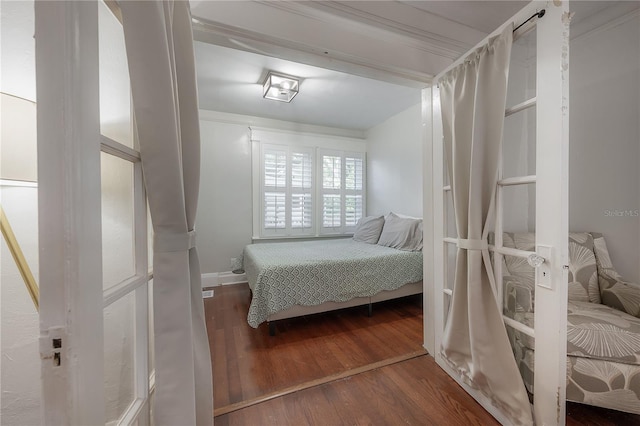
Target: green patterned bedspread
308, 273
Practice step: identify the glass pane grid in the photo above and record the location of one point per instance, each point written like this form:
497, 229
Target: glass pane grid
115, 89
519, 146
518, 208
522, 70
117, 219
449, 216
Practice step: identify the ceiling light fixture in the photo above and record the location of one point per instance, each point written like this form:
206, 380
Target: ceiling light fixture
280, 87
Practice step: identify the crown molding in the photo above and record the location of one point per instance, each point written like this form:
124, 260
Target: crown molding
332, 12
606, 26
243, 39
255, 122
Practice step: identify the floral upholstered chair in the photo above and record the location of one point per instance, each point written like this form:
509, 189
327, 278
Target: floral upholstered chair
603, 323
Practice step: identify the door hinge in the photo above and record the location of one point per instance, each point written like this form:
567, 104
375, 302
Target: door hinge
52, 343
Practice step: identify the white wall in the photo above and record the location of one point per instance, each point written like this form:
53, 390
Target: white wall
394, 165
224, 222
224, 219
605, 139
20, 360
19, 353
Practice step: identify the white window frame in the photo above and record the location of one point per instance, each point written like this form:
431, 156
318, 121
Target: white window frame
317, 145
288, 230
343, 192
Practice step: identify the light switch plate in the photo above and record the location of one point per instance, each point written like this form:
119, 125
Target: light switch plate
543, 272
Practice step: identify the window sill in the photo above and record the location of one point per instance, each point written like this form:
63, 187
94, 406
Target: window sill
300, 238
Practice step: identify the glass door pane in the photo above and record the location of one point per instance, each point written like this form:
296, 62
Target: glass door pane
117, 220
119, 357
115, 90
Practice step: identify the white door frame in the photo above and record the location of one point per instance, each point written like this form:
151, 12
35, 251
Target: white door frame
552, 213
70, 231
70, 234
552, 142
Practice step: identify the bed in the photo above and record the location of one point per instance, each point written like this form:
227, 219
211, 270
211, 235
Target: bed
300, 278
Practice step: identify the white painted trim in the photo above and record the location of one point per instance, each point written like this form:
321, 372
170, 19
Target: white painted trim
226, 278
415, 37
518, 180
529, 103
297, 137
428, 298
301, 238
141, 337
21, 183
437, 213
69, 205
256, 205
552, 218
210, 280
519, 326
607, 25
508, 251
250, 41
215, 279
279, 125
119, 150
118, 291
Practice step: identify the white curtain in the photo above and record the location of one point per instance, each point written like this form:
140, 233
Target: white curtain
160, 53
475, 343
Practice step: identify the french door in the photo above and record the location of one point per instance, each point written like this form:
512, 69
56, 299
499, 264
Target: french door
531, 202
94, 307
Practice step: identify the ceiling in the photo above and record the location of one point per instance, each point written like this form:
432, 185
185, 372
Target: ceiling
361, 62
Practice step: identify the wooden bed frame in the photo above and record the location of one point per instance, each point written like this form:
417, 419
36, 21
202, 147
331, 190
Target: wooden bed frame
299, 310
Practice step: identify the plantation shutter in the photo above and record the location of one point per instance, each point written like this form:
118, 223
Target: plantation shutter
275, 186
301, 190
342, 190
354, 172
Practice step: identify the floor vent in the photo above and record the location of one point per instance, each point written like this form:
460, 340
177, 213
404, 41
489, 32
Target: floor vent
207, 294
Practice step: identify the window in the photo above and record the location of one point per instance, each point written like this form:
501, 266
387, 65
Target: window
287, 191
307, 191
341, 190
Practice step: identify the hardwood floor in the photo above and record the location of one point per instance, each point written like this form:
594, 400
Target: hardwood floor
586, 415
249, 363
340, 368
411, 393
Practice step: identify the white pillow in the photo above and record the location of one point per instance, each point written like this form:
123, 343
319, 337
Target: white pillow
402, 233
368, 229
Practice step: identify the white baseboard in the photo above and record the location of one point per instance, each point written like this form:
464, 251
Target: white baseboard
215, 279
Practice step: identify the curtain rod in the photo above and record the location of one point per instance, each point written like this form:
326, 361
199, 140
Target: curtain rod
537, 14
